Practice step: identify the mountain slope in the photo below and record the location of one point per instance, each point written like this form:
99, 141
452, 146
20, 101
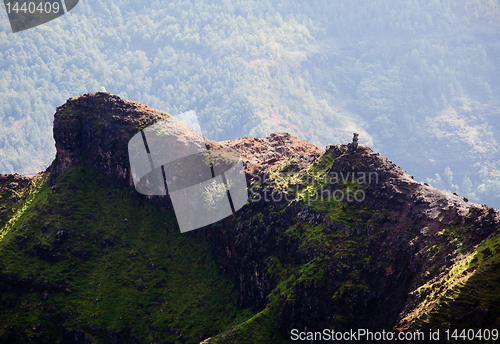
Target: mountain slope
340, 239
325, 263
92, 262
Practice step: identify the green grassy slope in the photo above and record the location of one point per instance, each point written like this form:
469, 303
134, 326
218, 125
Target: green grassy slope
258, 329
93, 260
468, 296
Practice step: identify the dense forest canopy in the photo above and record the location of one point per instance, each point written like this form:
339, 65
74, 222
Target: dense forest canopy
417, 79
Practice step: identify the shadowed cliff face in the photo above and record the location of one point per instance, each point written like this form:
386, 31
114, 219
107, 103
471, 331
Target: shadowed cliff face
341, 238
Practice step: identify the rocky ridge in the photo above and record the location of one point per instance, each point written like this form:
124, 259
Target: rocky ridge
372, 258
379, 258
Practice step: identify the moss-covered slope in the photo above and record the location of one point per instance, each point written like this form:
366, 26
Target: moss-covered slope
91, 262
466, 296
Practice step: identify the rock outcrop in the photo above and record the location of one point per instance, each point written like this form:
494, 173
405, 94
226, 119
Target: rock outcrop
95, 129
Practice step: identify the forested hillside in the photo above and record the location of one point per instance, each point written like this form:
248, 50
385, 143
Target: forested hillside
418, 80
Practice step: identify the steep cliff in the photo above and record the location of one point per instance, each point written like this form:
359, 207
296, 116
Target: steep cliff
338, 239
